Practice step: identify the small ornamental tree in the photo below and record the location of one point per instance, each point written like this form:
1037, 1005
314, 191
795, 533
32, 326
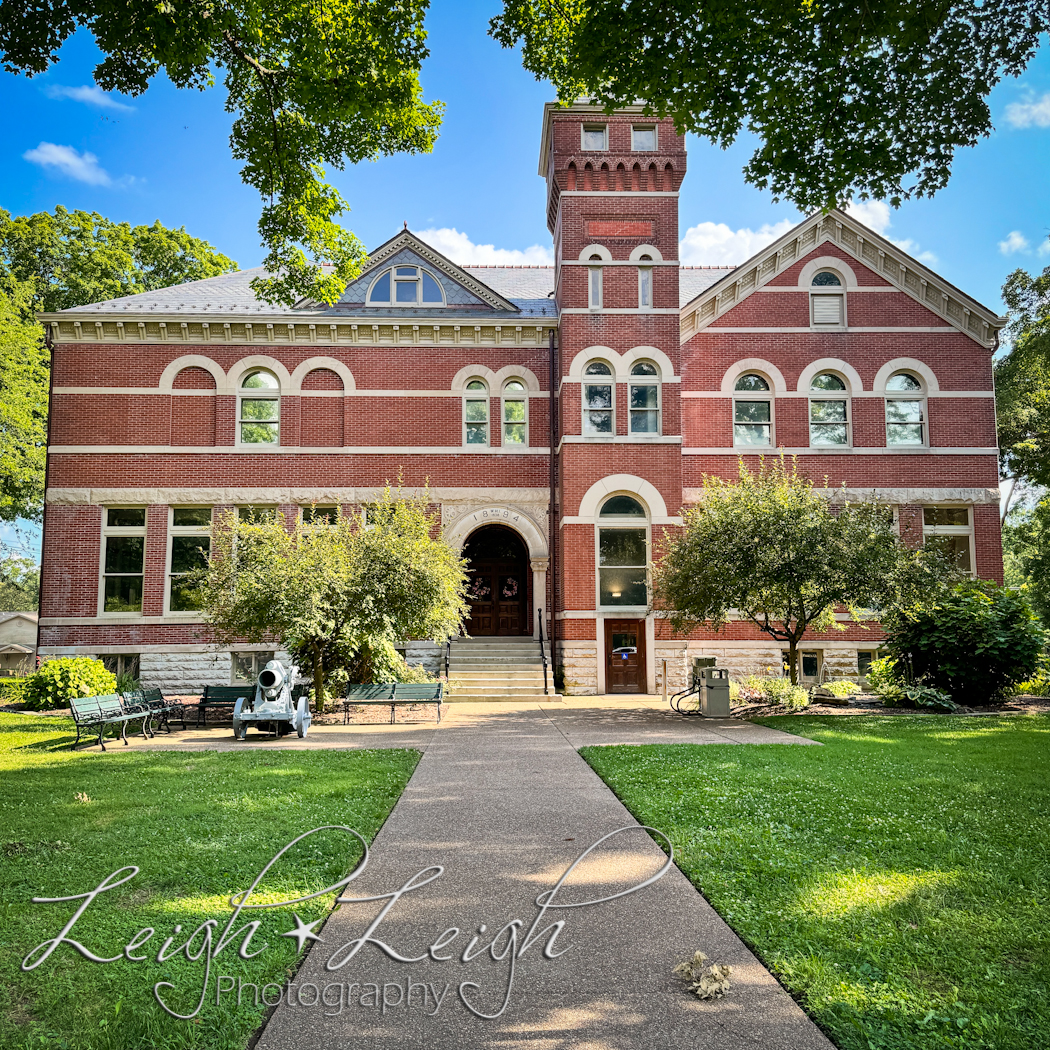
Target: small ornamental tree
771, 549
333, 592
57, 681
973, 641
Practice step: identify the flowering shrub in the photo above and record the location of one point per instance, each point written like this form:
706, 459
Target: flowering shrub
58, 680
842, 688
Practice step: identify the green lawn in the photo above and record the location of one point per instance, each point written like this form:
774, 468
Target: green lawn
200, 826
895, 880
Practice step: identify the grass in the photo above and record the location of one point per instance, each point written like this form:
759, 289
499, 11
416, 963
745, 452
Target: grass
200, 826
895, 880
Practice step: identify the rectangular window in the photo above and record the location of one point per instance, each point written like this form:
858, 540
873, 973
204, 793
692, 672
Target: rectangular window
318, 515
121, 663
864, 659
513, 420
594, 295
645, 408
643, 138
190, 541
123, 558
594, 137
477, 420
828, 423
645, 288
752, 424
246, 667
260, 420
827, 309
905, 423
597, 408
622, 563
256, 514
951, 529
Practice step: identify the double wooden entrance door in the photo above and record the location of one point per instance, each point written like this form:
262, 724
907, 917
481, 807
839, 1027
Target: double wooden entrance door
625, 656
498, 589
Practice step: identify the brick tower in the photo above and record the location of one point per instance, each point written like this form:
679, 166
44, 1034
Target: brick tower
612, 207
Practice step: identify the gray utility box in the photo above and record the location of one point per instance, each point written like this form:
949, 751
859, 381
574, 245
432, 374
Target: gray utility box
714, 694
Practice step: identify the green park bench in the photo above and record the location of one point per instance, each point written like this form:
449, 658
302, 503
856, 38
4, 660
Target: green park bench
222, 698
395, 694
153, 701
97, 712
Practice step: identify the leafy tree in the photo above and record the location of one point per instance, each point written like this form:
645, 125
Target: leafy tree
771, 549
973, 641
338, 594
309, 84
19, 584
1022, 383
849, 100
1026, 555
24, 370
72, 258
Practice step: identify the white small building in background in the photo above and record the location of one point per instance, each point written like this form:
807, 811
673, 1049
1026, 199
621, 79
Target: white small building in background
17, 643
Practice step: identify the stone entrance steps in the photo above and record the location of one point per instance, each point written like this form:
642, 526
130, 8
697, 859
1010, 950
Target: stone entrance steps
497, 669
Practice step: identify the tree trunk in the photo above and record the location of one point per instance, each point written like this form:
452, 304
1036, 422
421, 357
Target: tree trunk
318, 665
793, 659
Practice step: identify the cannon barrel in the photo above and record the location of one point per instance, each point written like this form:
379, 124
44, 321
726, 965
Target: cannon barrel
272, 677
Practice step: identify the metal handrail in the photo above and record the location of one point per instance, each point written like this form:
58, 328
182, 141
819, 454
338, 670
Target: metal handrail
448, 655
543, 653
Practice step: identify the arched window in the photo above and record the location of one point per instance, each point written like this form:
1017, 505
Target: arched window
645, 399
905, 410
598, 399
515, 414
623, 554
828, 410
752, 415
259, 408
476, 413
827, 307
406, 286
594, 284
645, 285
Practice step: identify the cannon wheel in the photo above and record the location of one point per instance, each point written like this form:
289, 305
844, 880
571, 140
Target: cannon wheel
302, 719
240, 729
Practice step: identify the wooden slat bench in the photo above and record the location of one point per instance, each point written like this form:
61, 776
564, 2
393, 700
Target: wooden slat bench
159, 708
97, 712
222, 697
395, 694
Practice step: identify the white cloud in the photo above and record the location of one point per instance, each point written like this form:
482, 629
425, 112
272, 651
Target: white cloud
463, 251
876, 216
66, 160
715, 244
89, 94
1032, 111
1044, 249
1015, 242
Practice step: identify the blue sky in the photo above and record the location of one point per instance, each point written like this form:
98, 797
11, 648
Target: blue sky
164, 155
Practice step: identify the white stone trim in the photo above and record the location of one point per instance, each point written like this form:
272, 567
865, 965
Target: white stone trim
245, 364
628, 484
769, 371
493, 513
620, 363
856, 393
809, 330
167, 377
831, 450
595, 249
900, 496
290, 450
827, 262
311, 364
904, 364
646, 249
844, 370
495, 380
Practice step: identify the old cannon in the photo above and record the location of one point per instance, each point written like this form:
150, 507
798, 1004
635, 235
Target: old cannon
273, 703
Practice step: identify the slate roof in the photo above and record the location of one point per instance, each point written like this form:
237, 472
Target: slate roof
527, 287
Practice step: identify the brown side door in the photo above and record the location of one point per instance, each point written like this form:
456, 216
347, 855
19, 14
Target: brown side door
624, 669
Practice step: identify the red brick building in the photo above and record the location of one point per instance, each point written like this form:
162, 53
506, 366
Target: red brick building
831, 344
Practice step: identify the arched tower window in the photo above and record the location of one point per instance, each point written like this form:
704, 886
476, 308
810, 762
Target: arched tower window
752, 413
515, 414
476, 413
645, 398
259, 408
828, 410
598, 399
905, 410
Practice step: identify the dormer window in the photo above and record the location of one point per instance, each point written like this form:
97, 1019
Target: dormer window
405, 286
594, 137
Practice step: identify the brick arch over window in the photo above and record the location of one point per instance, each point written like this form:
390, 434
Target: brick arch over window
194, 378
322, 379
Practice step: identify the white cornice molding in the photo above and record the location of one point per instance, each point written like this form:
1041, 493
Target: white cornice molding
867, 247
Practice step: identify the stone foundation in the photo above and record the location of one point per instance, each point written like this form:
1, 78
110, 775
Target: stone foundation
431, 656
579, 661
177, 673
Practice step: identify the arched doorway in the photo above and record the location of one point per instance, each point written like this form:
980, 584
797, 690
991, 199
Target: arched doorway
498, 586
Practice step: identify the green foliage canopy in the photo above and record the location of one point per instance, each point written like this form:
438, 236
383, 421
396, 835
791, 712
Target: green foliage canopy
19, 584
973, 641
335, 594
72, 258
848, 100
771, 549
309, 84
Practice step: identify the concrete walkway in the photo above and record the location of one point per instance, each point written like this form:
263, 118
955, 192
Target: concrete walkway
504, 804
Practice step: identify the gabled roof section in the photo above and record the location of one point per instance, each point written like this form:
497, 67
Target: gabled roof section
891, 263
405, 244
